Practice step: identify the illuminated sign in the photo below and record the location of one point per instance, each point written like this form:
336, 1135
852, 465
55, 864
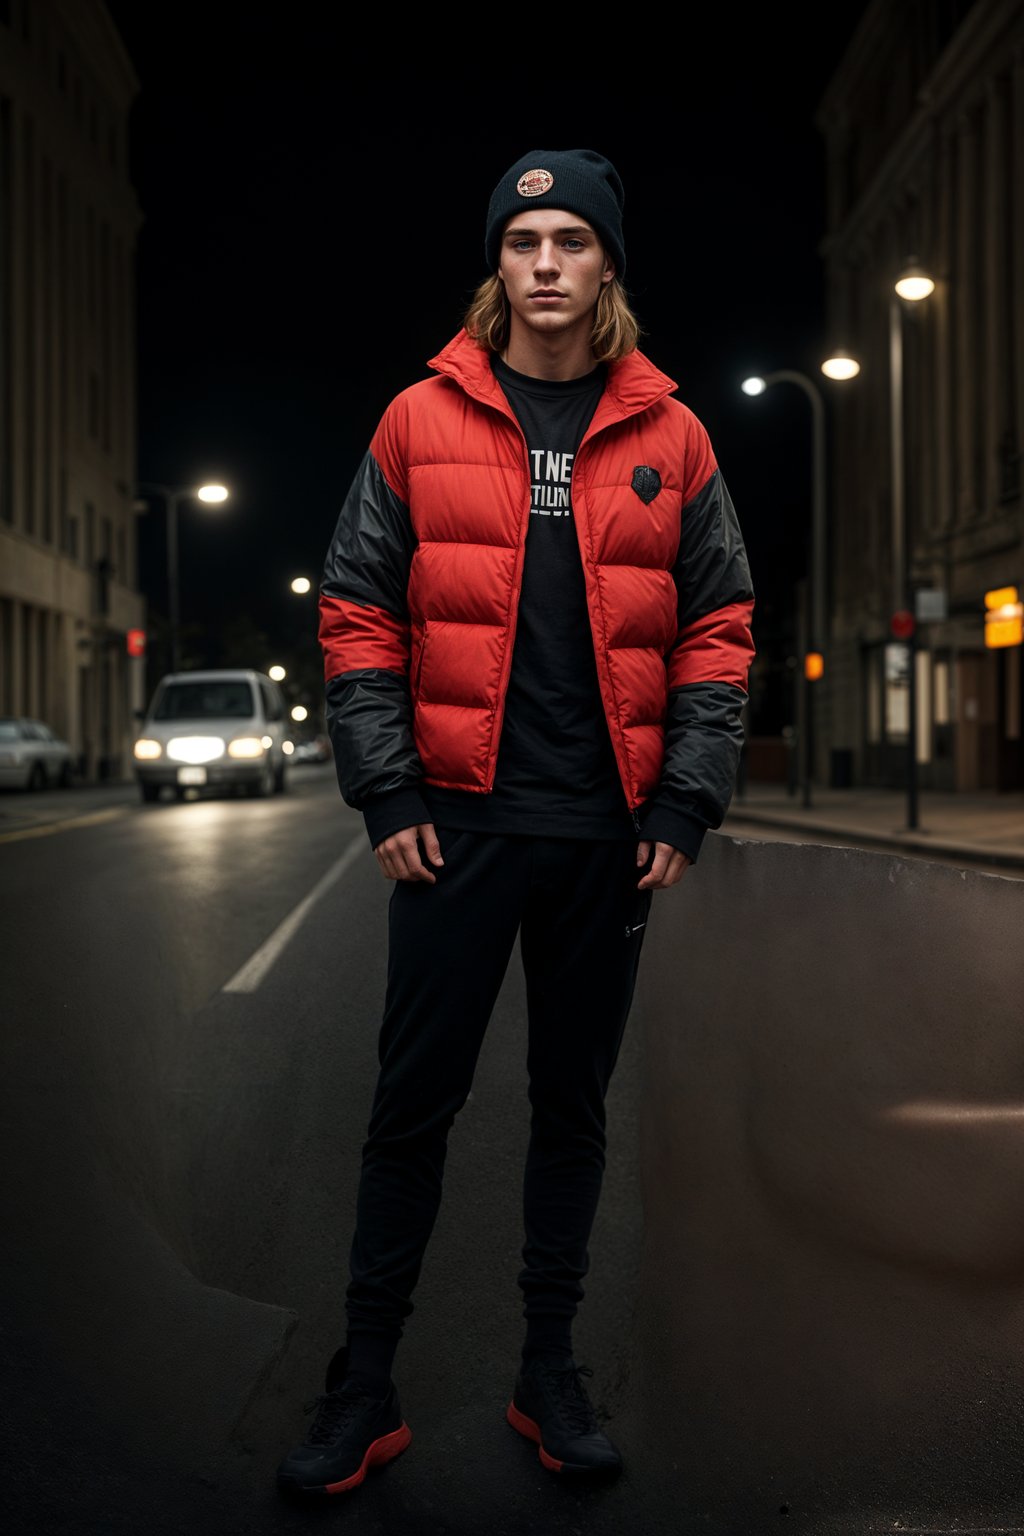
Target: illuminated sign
1004, 618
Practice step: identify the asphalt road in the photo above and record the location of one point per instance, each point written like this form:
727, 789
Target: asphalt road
191, 996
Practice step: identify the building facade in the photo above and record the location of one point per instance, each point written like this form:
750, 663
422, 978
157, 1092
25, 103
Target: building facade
923, 125
69, 223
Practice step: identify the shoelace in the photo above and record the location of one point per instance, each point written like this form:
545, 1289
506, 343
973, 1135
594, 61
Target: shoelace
334, 1412
571, 1397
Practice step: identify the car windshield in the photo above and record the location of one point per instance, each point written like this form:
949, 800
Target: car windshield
9, 730
213, 700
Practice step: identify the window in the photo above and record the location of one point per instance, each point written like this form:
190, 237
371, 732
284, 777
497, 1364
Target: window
213, 700
273, 704
897, 691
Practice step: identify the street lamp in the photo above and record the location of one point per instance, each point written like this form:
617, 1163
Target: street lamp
840, 365
815, 642
173, 495
912, 285
301, 585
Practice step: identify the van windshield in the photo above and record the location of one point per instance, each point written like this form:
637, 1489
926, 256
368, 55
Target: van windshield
213, 700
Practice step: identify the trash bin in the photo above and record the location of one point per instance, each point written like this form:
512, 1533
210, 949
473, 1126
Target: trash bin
841, 775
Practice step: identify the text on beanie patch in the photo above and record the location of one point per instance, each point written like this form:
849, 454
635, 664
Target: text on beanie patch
533, 183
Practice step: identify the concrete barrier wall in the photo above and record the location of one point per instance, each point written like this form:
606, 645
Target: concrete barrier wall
830, 1328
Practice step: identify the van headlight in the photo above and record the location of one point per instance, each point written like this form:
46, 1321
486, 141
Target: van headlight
144, 748
246, 746
195, 749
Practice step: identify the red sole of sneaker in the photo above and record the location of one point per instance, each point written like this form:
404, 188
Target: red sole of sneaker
383, 1450
531, 1430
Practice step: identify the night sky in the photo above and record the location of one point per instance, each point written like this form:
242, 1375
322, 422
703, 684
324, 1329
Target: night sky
313, 218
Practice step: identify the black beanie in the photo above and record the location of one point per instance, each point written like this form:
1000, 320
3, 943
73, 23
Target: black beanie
578, 180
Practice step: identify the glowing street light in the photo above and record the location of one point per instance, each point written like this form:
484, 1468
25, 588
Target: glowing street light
814, 643
912, 285
301, 585
841, 365
278, 673
299, 712
174, 494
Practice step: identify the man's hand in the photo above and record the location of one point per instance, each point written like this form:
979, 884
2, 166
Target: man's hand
399, 857
669, 866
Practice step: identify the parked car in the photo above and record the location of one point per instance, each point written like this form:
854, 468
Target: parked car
313, 749
215, 729
32, 756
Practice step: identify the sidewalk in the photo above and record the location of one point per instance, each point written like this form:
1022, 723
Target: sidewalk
984, 826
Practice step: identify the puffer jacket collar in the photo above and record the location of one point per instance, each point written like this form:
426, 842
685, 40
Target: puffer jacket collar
633, 384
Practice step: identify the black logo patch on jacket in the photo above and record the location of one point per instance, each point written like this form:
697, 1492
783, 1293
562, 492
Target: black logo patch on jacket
646, 482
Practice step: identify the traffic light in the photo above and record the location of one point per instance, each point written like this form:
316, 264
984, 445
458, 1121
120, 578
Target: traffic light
135, 642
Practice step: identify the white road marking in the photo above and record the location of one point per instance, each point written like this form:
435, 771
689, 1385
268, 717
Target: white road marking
252, 973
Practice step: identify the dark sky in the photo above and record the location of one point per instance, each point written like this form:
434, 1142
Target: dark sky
313, 208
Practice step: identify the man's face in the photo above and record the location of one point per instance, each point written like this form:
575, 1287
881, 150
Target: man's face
554, 267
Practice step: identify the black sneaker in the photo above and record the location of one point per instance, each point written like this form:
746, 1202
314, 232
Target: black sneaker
351, 1432
550, 1405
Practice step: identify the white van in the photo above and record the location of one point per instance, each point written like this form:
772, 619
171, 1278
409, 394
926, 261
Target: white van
214, 730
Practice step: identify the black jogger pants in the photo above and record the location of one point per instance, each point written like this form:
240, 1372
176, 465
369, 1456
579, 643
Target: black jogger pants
582, 924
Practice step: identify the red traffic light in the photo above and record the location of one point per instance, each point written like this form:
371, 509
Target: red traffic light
135, 642
902, 624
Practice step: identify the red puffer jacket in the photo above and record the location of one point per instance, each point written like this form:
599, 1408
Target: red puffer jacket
419, 598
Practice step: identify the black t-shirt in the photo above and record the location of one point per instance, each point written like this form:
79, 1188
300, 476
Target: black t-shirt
556, 772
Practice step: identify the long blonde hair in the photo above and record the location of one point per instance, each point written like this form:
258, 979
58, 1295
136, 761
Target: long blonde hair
616, 328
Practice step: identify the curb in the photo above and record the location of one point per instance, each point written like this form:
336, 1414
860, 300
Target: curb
894, 843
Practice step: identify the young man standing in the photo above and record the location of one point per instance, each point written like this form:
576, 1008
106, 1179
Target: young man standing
535, 618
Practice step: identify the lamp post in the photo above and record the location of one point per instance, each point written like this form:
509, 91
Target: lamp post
815, 640
173, 495
912, 285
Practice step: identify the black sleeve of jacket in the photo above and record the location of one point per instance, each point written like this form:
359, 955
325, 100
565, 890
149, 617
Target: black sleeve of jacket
703, 739
704, 728
364, 608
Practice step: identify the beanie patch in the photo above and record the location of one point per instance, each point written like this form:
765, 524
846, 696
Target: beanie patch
534, 183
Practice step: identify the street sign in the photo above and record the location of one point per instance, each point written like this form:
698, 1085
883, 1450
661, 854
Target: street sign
930, 605
1004, 618
902, 624
135, 642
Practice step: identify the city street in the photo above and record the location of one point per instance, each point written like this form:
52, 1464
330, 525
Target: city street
192, 994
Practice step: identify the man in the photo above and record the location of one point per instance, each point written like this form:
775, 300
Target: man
535, 618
